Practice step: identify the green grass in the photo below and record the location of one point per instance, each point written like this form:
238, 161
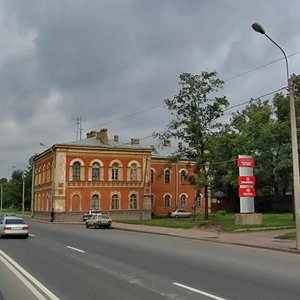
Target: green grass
225, 221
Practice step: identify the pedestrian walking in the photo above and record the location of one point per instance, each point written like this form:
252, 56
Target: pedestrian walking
52, 215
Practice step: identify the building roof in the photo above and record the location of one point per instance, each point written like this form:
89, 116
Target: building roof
101, 139
93, 142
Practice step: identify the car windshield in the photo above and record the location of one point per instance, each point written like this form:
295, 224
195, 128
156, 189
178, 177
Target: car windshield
14, 221
105, 217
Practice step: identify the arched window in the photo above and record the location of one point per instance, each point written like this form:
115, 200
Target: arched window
167, 201
95, 202
115, 202
133, 172
115, 171
199, 198
167, 176
133, 201
76, 171
183, 176
152, 176
183, 200
95, 171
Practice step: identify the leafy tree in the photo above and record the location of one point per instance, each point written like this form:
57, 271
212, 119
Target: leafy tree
224, 166
262, 130
3, 182
14, 189
195, 111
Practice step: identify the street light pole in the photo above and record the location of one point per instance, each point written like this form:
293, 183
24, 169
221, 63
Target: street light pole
258, 28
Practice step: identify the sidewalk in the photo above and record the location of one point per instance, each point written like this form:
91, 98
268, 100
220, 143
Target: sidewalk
265, 239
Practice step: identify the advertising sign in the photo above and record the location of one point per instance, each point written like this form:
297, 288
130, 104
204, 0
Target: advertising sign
246, 180
246, 162
247, 192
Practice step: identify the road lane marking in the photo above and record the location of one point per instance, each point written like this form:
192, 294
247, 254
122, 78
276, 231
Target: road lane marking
28, 280
198, 291
75, 249
30, 234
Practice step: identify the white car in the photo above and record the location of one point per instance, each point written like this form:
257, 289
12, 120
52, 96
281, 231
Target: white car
13, 226
181, 213
99, 221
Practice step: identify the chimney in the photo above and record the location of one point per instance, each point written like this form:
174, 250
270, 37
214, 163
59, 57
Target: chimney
167, 143
135, 141
91, 134
102, 136
116, 138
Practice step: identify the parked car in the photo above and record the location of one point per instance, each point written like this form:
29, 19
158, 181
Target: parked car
89, 214
99, 221
181, 213
13, 226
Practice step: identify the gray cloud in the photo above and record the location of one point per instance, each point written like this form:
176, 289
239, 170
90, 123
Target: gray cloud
105, 60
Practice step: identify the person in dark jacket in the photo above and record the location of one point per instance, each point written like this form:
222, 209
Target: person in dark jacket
52, 215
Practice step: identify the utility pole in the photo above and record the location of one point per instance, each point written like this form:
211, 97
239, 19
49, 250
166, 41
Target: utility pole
295, 154
78, 128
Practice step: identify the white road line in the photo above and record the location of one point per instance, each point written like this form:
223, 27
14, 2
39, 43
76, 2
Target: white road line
75, 249
26, 278
198, 291
30, 234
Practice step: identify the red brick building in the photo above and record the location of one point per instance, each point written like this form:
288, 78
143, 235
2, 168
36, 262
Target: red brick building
126, 180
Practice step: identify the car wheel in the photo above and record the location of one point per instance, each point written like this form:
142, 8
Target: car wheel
176, 216
87, 225
108, 227
25, 236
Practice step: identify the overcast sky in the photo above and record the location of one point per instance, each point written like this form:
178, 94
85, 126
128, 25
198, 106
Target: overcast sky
113, 62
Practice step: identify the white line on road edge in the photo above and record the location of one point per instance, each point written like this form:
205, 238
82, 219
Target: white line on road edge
17, 270
75, 249
198, 291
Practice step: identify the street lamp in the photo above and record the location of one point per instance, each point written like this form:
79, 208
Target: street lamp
258, 28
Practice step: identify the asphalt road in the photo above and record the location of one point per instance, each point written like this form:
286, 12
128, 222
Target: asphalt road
78, 263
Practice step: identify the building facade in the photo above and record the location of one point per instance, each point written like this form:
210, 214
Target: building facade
126, 180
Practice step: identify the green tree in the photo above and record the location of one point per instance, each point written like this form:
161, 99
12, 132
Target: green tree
195, 111
261, 130
14, 189
3, 182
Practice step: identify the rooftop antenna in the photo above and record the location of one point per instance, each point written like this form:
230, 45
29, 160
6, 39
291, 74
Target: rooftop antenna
78, 128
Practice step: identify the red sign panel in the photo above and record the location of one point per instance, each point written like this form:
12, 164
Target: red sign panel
246, 180
246, 162
247, 192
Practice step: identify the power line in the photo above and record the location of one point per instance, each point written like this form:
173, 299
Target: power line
228, 79
131, 115
257, 98
237, 105
260, 67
